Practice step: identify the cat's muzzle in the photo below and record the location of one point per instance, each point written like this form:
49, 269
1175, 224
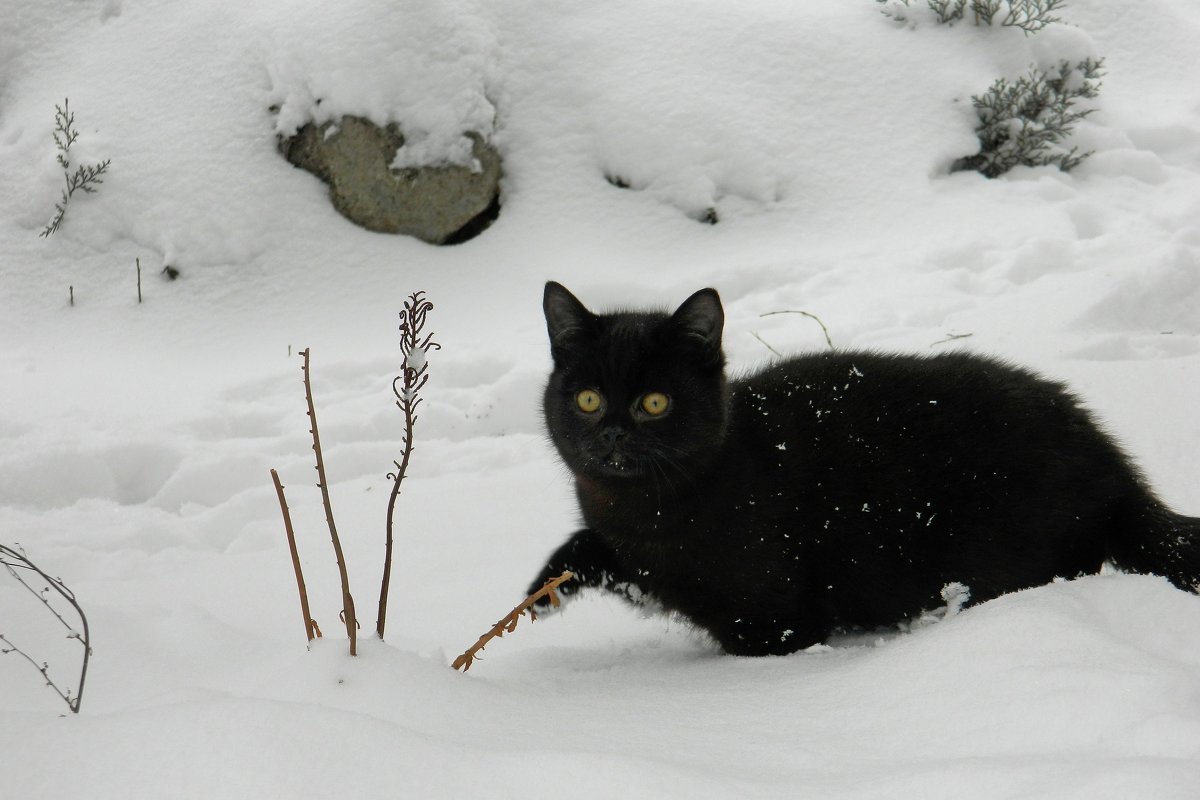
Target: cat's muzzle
615, 461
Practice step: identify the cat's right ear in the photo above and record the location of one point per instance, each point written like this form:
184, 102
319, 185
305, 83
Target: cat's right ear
565, 315
702, 318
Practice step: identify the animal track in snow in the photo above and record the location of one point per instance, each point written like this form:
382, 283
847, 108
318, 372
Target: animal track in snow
128, 473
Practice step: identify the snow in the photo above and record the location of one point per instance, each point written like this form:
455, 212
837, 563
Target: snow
136, 440
416, 358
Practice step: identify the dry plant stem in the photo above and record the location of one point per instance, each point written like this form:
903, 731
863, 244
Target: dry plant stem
766, 344
309, 625
952, 338
385, 584
405, 386
43, 668
348, 615
509, 623
813, 317
14, 560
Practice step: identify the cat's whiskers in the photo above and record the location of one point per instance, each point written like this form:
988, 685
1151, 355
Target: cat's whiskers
660, 461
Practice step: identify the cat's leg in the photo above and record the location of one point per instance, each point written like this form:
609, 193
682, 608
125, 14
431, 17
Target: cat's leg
594, 565
750, 635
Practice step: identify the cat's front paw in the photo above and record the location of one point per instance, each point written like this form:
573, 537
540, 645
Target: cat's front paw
552, 600
584, 556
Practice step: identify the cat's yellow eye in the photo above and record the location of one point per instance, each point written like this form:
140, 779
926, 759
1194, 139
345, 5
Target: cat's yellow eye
655, 404
589, 401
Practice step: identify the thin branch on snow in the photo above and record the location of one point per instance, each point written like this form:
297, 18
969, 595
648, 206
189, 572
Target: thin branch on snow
814, 317
509, 623
14, 560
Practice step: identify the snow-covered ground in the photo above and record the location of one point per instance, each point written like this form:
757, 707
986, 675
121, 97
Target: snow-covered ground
135, 440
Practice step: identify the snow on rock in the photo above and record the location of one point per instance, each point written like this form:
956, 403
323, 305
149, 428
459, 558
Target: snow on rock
422, 64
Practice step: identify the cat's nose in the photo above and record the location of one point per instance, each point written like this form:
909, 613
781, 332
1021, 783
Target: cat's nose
611, 436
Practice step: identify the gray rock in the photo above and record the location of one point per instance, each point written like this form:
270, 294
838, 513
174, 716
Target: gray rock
439, 205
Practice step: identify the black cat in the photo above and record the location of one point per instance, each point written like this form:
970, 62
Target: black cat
831, 491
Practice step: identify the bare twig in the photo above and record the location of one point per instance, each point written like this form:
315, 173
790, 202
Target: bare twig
811, 316
310, 627
953, 337
138, 261
766, 344
509, 623
347, 615
14, 560
405, 386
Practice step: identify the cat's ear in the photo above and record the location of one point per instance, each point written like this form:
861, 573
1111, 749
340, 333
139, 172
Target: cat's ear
565, 315
701, 318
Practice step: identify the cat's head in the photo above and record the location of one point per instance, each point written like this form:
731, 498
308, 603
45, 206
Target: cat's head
636, 394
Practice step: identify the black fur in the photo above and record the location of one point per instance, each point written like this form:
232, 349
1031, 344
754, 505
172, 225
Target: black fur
829, 491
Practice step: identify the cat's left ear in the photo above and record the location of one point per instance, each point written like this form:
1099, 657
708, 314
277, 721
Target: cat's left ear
565, 315
702, 318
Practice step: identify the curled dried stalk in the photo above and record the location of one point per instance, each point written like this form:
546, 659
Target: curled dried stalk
415, 346
509, 623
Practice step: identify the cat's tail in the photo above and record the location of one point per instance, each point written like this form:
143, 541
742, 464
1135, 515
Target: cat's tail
1150, 538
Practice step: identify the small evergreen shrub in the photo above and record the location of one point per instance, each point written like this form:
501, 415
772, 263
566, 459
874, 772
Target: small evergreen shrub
1024, 122
85, 177
1028, 15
